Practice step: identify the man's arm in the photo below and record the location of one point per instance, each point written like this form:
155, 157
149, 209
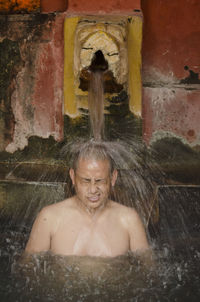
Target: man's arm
138, 239
137, 234
40, 237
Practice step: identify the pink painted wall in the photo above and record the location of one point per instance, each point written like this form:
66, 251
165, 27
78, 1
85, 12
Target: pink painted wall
48, 90
170, 111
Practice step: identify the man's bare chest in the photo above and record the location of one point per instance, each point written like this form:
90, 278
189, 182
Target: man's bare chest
103, 237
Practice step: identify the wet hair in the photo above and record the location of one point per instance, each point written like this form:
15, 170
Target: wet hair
91, 149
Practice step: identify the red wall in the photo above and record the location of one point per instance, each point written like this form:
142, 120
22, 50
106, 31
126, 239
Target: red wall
171, 40
103, 5
171, 35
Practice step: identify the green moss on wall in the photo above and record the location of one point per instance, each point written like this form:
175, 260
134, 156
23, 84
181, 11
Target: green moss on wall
121, 123
179, 162
10, 63
9, 60
75, 128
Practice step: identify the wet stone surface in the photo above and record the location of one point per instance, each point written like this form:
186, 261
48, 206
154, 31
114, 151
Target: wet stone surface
20, 201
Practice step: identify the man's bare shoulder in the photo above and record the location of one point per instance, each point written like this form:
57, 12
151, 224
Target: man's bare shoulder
126, 214
56, 208
131, 221
124, 210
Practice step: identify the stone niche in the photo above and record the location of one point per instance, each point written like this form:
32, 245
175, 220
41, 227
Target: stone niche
111, 42
109, 37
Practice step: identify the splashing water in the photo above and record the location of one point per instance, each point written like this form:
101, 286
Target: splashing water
134, 186
55, 278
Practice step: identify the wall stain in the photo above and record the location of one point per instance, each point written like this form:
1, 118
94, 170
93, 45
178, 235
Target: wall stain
10, 64
192, 78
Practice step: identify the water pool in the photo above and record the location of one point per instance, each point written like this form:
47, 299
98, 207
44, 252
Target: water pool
47, 277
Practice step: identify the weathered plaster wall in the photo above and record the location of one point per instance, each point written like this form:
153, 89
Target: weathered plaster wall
32, 71
83, 6
172, 111
31, 78
171, 93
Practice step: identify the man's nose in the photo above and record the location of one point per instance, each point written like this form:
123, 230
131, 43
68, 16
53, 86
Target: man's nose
93, 187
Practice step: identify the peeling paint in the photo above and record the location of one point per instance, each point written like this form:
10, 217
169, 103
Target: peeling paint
36, 95
154, 77
172, 109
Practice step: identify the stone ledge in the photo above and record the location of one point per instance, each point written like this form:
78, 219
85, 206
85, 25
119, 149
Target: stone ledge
179, 214
21, 201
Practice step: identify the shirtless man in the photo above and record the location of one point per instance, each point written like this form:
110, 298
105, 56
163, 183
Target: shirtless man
89, 223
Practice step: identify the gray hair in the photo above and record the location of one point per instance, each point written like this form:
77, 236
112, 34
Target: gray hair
91, 149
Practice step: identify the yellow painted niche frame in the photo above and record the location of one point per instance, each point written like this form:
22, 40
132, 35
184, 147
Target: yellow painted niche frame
134, 65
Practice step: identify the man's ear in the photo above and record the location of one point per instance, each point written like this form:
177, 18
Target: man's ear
72, 175
114, 177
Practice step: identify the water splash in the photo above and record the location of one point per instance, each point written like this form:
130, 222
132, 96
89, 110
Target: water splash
50, 277
135, 186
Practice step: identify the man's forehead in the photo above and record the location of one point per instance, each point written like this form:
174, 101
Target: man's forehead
93, 163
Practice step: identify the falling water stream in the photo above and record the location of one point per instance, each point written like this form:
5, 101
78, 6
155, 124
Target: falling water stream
96, 104
46, 277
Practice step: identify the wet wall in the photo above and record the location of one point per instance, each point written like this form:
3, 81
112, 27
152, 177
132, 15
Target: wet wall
31, 78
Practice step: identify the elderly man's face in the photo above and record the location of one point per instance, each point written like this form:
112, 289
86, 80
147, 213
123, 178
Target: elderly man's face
92, 181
